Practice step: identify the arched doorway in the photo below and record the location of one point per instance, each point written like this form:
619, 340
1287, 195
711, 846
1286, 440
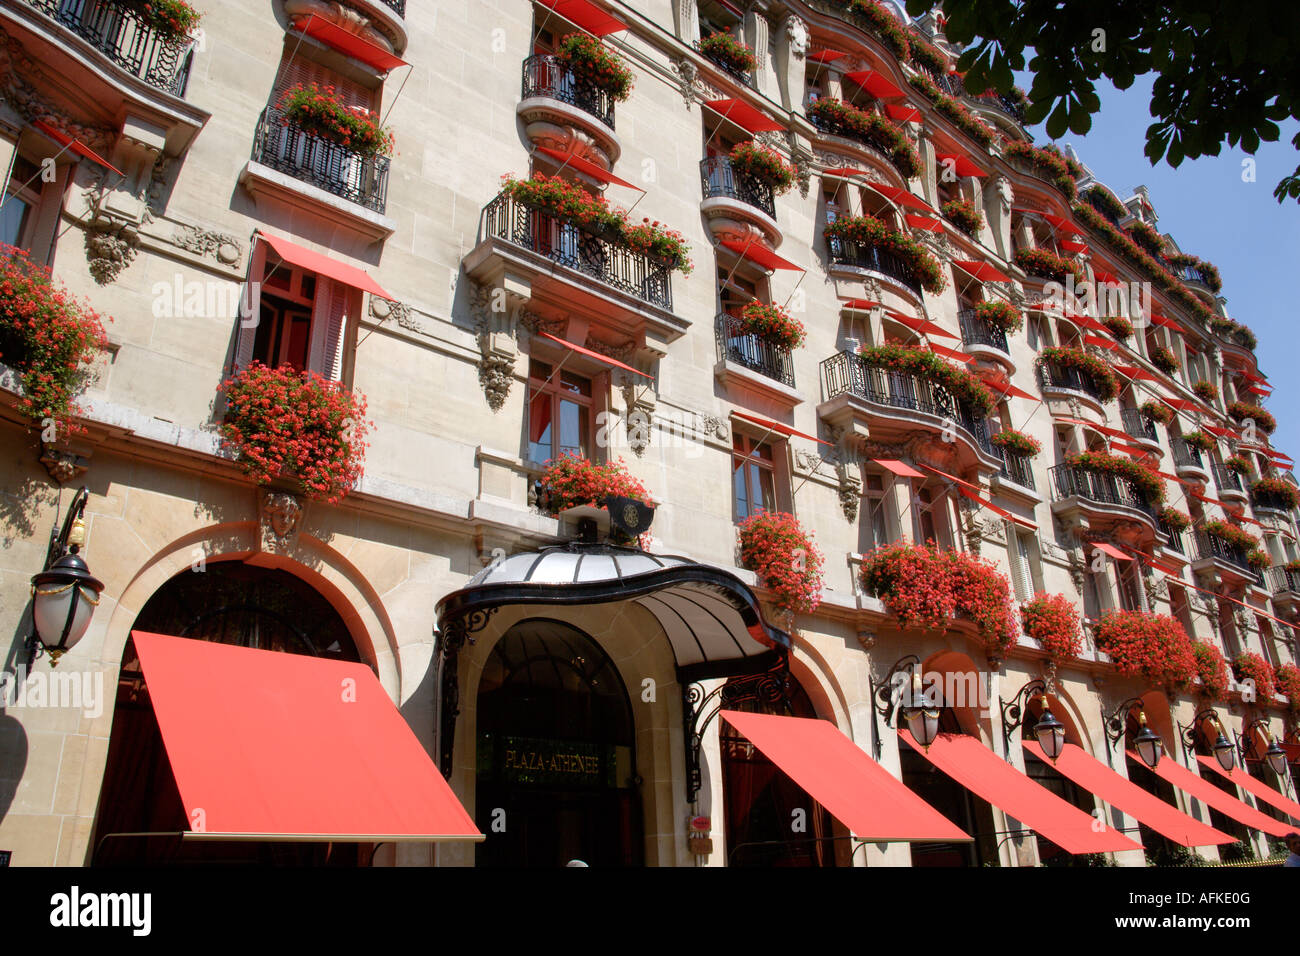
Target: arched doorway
556, 776
770, 820
1047, 776
226, 602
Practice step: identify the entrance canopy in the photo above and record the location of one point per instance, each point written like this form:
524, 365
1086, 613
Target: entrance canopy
711, 618
1256, 788
1209, 794
857, 791
284, 747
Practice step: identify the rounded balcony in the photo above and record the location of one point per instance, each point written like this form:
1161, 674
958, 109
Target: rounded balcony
559, 111
984, 340
737, 206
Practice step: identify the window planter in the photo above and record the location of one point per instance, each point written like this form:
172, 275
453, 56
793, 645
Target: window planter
1157, 412
1163, 358
764, 164
1206, 391
775, 547
840, 119
1091, 374
1241, 541
1002, 315
1017, 442
1250, 666
1212, 669
1048, 265
1275, 493
594, 64
1250, 412
1144, 480
1119, 327
772, 324
321, 112
1053, 621
873, 17
1288, 682
961, 117
964, 216
965, 387
1043, 163
1143, 644
850, 236
728, 52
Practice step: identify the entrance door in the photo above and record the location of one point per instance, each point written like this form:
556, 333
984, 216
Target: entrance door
556, 757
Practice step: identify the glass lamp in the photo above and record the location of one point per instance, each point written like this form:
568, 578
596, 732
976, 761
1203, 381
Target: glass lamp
1147, 742
1050, 733
64, 597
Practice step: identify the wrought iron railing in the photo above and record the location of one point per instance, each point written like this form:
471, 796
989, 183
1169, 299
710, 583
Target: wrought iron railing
1095, 200
120, 31
1070, 481
1225, 479
1052, 375
737, 74
828, 125
1185, 453
397, 6
773, 361
1281, 579
977, 331
1270, 500
720, 178
545, 75
1137, 425
1192, 274
1175, 537
848, 372
359, 177
1015, 467
604, 258
1208, 546
1006, 104
845, 253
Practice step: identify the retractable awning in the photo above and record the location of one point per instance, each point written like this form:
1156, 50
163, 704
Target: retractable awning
899, 195
1256, 788
1099, 780
586, 167
899, 468
922, 325
743, 115
903, 114
760, 255
586, 16
877, 84
778, 427
825, 56
961, 165
1209, 794
835, 772
603, 359
983, 271
75, 145
285, 747
1114, 552
349, 44
987, 775
296, 255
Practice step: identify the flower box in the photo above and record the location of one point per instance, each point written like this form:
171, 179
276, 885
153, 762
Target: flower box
1282, 491
1147, 482
1206, 391
320, 110
49, 338
1147, 237
1048, 265
1144, 644
1119, 327
927, 55
1249, 411
1104, 201
962, 118
592, 62
1053, 621
727, 50
964, 216
295, 427
883, 23
1175, 520
174, 20
764, 164
1250, 666
923, 363
1102, 377
1237, 465
1163, 358
1052, 164
848, 120
1212, 669
1157, 412
1288, 682
571, 481
1017, 442
874, 233
775, 547
1000, 314
772, 324
1200, 441
1243, 541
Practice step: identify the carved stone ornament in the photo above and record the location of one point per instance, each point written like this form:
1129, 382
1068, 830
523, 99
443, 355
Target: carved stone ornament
686, 76
281, 519
62, 465
225, 248
21, 79
496, 373
110, 247
715, 425
797, 33
850, 491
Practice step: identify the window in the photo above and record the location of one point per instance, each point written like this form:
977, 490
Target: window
753, 476
876, 524
1026, 573
929, 521
559, 412
1182, 612
20, 200
1127, 584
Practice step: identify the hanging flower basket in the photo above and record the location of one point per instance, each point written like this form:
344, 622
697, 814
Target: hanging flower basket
1017, 442
1000, 314
872, 127
1175, 520
1163, 358
1277, 489
297, 427
1119, 327
321, 111
772, 324
964, 216
1249, 411
1157, 412
775, 547
1102, 377
1053, 621
1288, 683
592, 62
1250, 666
1212, 669
1147, 482
174, 20
764, 164
1237, 465
1048, 265
872, 232
928, 588
1206, 391
923, 363
1152, 646
48, 338
727, 50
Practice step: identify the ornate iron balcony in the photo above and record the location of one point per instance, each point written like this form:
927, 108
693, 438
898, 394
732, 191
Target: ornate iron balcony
740, 76
397, 6
752, 352
1281, 579
1185, 454
1208, 546
119, 31
1137, 425
1270, 501
1226, 480
1192, 274
545, 75
873, 259
361, 178
977, 331
1006, 104
1067, 376
719, 179
1015, 467
1070, 481
848, 372
602, 257
1175, 537
828, 125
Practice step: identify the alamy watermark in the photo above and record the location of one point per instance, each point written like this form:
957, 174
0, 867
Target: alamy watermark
68, 690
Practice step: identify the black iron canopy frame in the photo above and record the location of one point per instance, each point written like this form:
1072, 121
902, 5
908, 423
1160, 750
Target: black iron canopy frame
1014, 710
1115, 725
884, 701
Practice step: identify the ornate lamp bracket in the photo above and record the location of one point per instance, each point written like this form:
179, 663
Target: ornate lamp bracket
448, 641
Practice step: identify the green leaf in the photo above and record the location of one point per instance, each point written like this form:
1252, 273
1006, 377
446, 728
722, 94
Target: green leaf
1059, 121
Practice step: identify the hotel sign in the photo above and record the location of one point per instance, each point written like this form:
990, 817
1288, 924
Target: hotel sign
557, 763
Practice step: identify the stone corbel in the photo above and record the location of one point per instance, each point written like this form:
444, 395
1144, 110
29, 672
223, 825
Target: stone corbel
639, 403
64, 464
850, 490
280, 519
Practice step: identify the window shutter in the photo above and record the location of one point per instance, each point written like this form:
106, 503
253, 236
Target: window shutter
248, 314
329, 327
1017, 561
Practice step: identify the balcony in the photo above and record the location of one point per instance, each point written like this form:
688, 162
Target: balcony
1175, 542
718, 178
1284, 585
1075, 486
1216, 557
1228, 482
832, 128
1192, 274
397, 6
740, 353
736, 204
1016, 468
1004, 104
1053, 376
980, 336
878, 262
1188, 462
552, 262
1136, 425
560, 111
740, 76
1270, 501
881, 405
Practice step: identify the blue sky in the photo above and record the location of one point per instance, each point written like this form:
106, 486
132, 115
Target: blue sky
1213, 214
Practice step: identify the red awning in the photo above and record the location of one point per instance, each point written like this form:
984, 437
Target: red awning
1182, 404
1251, 376
1098, 779
835, 772
321, 264
1209, 794
1115, 553
778, 427
273, 746
922, 325
898, 468
844, 172
586, 167
951, 353
1259, 390
987, 775
1135, 373
961, 165
1069, 245
603, 359
1085, 321
1004, 387
1160, 319
759, 255
861, 305
75, 145
586, 16
349, 44
982, 271
923, 222
903, 114
825, 56
900, 196
966, 493
1256, 788
1062, 224
1101, 343
1102, 275
1221, 432
743, 115
877, 84
1279, 456
960, 481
